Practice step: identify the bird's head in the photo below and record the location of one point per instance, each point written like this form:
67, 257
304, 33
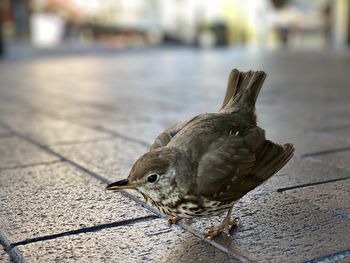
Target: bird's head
152, 174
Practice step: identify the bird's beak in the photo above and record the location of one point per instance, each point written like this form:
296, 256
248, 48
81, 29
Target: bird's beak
122, 184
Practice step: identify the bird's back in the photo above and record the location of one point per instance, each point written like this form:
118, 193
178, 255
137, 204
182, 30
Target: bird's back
203, 130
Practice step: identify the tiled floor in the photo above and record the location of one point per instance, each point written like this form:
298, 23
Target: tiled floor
70, 124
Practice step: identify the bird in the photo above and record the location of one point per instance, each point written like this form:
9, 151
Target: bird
201, 167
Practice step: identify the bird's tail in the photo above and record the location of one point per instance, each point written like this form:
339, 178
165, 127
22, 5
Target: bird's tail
242, 90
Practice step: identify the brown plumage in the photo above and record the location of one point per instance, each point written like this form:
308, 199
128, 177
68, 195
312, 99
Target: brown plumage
202, 166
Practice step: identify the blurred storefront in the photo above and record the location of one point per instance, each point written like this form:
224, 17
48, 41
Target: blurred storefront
16, 18
340, 27
135, 23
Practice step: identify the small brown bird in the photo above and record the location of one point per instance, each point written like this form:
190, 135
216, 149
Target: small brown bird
203, 166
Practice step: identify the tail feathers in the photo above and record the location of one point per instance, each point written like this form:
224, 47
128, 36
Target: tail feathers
270, 159
243, 89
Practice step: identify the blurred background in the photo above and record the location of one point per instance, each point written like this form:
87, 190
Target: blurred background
125, 24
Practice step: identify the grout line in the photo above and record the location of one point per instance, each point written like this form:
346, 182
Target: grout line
29, 165
325, 152
117, 134
93, 174
236, 254
199, 235
94, 127
332, 257
14, 253
311, 184
85, 230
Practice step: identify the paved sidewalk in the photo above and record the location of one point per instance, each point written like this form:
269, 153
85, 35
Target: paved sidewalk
71, 124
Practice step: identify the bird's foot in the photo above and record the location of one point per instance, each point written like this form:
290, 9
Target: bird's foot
224, 227
233, 222
212, 232
173, 219
189, 220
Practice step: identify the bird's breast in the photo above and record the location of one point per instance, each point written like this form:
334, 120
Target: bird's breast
192, 207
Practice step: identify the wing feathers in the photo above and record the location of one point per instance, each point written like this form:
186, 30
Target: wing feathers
271, 159
233, 169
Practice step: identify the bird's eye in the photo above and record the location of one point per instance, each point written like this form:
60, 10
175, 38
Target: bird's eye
152, 178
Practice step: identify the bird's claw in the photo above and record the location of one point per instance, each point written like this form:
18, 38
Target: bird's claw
189, 220
211, 232
233, 222
173, 219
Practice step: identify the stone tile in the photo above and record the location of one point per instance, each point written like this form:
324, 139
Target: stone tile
4, 131
18, 152
286, 119
74, 110
301, 171
345, 259
306, 143
341, 132
4, 257
312, 143
340, 115
331, 196
292, 101
49, 199
278, 227
111, 159
339, 159
140, 130
297, 127
151, 241
12, 106
331, 125
48, 130
297, 124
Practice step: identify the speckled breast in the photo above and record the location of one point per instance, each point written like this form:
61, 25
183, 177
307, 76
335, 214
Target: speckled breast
192, 207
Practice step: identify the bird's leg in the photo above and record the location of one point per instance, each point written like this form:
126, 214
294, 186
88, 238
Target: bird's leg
225, 226
173, 219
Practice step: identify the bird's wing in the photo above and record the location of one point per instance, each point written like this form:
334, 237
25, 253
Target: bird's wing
239, 164
165, 137
227, 162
